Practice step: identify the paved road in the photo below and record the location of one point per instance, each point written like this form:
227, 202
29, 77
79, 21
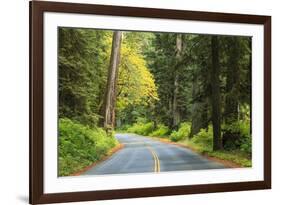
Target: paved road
141, 154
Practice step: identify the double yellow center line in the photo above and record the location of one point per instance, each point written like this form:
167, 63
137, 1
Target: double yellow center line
156, 160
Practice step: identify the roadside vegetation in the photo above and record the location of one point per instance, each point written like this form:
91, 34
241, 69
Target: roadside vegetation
238, 152
81, 146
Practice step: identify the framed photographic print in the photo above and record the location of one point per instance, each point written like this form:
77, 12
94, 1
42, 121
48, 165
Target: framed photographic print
137, 102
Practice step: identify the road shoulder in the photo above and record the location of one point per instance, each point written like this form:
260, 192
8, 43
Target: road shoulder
106, 157
226, 163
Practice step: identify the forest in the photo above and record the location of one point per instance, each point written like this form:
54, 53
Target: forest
191, 89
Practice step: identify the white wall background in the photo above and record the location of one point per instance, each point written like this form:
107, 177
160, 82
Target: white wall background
14, 101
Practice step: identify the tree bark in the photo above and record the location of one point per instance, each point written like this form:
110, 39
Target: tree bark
111, 88
232, 82
176, 113
215, 97
199, 110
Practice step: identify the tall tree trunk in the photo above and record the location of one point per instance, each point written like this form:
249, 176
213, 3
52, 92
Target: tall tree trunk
215, 97
200, 99
111, 89
232, 82
199, 109
176, 113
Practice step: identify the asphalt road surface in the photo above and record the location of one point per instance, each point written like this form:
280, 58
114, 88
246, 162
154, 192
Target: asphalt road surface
142, 154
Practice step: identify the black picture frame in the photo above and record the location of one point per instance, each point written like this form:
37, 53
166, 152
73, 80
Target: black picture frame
37, 9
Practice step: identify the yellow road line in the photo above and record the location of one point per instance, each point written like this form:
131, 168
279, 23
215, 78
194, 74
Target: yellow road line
156, 160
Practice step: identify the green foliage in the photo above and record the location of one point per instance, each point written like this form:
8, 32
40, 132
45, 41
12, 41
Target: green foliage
80, 146
241, 127
245, 112
203, 140
145, 127
182, 133
246, 145
235, 156
244, 139
137, 91
141, 128
83, 61
161, 131
123, 128
136, 83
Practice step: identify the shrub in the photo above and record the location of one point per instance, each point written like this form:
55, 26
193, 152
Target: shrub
141, 120
161, 131
242, 139
80, 146
204, 139
123, 128
242, 127
202, 142
141, 128
183, 132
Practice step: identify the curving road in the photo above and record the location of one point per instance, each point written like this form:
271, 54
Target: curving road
142, 154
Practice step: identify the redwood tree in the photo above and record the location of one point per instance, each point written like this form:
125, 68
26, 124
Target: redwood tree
111, 88
175, 109
215, 97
